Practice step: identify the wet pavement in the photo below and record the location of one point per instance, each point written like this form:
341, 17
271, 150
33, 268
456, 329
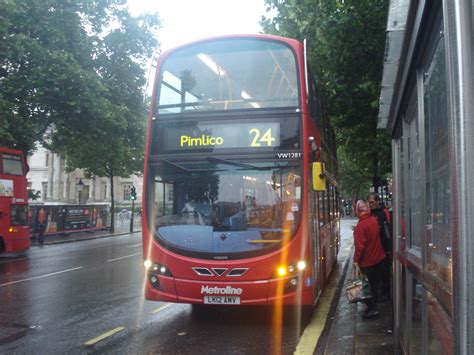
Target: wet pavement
348, 333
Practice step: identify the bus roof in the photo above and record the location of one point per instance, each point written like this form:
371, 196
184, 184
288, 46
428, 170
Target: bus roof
292, 42
11, 151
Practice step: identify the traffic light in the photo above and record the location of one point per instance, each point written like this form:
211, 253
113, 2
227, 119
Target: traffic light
133, 193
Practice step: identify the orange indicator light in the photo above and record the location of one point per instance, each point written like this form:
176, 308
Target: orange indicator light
281, 271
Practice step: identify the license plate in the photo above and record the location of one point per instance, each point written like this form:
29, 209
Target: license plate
221, 300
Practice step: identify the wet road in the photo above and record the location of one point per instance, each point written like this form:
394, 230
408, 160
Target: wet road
87, 297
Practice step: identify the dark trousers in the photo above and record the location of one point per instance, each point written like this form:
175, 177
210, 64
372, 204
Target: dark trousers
386, 278
375, 275
41, 229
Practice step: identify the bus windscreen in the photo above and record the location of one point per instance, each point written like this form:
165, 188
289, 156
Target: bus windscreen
12, 165
223, 206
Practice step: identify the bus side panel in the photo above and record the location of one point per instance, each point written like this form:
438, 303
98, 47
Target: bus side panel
16, 243
325, 252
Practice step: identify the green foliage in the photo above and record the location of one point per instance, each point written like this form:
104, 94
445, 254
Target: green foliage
75, 69
73, 72
346, 46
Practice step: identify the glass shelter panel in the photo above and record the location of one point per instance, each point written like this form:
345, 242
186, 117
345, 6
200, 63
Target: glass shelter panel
439, 339
438, 167
415, 313
402, 202
414, 181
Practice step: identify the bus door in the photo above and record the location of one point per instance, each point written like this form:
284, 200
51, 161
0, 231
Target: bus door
333, 221
314, 240
315, 224
323, 186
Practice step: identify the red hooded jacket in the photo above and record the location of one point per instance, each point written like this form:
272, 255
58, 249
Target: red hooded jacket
368, 248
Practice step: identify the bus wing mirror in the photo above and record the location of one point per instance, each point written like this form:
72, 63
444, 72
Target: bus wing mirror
319, 183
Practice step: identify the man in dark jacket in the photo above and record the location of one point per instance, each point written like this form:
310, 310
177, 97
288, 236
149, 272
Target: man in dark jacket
378, 209
369, 254
382, 214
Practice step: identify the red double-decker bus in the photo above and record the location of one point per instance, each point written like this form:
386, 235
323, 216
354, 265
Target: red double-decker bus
240, 202
14, 230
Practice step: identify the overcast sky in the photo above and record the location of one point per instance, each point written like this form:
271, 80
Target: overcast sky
188, 20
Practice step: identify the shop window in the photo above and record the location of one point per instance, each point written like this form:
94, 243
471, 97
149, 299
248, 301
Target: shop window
44, 190
103, 191
126, 192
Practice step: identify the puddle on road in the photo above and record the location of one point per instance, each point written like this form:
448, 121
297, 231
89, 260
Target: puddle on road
11, 331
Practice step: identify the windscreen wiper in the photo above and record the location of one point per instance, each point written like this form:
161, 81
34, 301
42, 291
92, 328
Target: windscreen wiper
234, 163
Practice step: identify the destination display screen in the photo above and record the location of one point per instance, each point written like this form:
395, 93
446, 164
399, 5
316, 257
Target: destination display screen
213, 135
207, 135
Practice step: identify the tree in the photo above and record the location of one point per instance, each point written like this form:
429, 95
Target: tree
346, 47
75, 69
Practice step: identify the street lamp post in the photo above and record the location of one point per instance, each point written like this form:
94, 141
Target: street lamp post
80, 187
133, 197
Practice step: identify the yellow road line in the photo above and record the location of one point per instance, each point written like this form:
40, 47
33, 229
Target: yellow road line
162, 307
103, 336
313, 331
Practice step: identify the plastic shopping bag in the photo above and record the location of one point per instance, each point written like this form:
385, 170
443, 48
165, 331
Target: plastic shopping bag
358, 290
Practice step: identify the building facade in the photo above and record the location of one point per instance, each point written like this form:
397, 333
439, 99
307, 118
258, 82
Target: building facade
48, 176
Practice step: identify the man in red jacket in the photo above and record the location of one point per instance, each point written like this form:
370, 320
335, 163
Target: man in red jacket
369, 254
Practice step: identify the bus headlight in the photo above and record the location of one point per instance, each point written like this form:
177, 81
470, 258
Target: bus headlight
156, 269
301, 265
147, 264
285, 270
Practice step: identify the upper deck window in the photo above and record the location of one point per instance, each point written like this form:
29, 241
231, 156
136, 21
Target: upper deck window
12, 165
228, 74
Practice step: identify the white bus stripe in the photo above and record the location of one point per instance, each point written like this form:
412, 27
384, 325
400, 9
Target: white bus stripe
123, 257
132, 246
41, 276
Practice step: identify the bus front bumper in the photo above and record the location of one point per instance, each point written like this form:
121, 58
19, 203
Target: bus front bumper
263, 292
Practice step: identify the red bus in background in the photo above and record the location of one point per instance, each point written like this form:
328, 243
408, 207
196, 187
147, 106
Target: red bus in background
14, 229
240, 202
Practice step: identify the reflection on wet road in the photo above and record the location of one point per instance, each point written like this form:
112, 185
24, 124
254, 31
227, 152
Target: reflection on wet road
87, 297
